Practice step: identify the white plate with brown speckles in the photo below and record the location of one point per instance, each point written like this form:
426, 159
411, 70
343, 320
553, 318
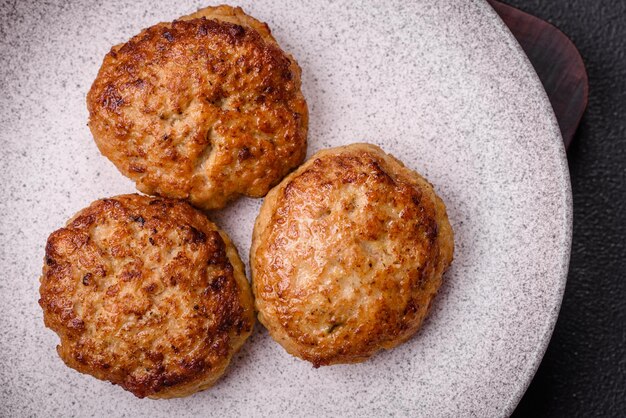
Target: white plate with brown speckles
441, 84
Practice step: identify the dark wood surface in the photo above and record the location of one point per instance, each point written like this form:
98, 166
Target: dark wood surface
557, 62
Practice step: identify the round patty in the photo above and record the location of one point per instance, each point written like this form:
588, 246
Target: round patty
205, 108
347, 254
146, 293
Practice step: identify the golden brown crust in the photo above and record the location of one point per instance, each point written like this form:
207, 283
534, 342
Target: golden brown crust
347, 253
204, 108
146, 293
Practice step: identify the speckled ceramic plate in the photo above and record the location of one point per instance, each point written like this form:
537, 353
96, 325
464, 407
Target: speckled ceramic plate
441, 84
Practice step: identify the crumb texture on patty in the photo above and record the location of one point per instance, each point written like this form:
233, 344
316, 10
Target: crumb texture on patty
146, 293
205, 108
348, 252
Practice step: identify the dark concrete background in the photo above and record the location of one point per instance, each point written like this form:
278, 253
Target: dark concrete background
584, 370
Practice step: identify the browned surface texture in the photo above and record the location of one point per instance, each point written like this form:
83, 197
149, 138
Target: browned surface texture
205, 108
347, 254
146, 293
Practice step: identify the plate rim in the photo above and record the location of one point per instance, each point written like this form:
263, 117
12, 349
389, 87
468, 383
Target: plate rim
556, 139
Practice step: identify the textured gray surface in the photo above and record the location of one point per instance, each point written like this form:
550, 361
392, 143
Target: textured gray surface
441, 85
583, 373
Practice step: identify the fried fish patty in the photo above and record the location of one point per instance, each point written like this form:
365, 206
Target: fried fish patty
347, 254
146, 293
205, 108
